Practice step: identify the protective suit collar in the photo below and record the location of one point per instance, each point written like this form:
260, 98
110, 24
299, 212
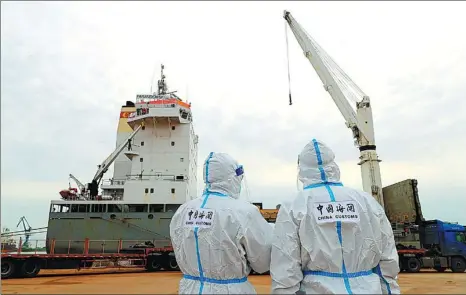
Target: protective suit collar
222, 175
316, 164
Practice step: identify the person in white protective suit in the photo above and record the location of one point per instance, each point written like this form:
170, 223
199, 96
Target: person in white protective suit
218, 238
331, 239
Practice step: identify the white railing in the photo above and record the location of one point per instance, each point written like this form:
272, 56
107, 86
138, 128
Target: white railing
113, 182
153, 176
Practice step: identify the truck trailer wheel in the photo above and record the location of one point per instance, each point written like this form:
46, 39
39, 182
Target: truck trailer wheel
8, 269
153, 263
30, 268
413, 265
457, 264
172, 264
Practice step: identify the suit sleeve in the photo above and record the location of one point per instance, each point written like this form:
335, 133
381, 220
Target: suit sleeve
257, 241
285, 267
388, 267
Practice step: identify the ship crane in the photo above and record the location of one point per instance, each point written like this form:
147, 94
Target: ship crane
93, 186
27, 230
341, 88
80, 185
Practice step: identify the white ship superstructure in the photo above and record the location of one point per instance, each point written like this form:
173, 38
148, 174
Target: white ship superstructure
155, 172
159, 165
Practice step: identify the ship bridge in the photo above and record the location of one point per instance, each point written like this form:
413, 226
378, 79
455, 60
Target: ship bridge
155, 108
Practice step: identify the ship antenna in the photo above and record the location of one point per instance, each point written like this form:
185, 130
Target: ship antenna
162, 86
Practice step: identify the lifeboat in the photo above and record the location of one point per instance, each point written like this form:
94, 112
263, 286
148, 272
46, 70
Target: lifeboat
68, 194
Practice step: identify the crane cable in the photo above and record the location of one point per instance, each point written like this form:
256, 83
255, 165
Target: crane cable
288, 62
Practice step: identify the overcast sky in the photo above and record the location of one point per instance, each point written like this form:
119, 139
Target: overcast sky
66, 69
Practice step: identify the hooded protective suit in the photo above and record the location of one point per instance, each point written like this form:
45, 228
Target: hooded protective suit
217, 238
332, 239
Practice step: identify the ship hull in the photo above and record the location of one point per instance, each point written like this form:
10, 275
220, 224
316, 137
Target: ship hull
107, 234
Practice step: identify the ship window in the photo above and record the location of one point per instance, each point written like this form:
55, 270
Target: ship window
173, 190
98, 208
142, 143
137, 208
181, 159
58, 208
173, 143
179, 177
146, 190
141, 159
83, 208
74, 208
114, 208
173, 127
172, 207
155, 208
152, 190
143, 128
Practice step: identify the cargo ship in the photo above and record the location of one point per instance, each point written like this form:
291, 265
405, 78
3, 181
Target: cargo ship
154, 172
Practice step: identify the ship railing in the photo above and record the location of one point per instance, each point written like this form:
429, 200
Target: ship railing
157, 176
110, 197
152, 176
86, 246
114, 181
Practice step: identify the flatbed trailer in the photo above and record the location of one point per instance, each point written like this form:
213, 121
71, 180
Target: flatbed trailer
28, 265
21, 264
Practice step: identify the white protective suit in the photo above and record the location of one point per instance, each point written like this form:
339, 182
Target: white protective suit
231, 235
332, 239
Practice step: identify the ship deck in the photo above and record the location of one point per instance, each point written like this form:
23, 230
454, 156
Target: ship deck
139, 282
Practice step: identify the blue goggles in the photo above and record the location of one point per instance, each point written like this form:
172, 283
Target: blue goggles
239, 171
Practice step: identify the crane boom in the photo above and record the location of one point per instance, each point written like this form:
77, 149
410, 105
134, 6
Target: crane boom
93, 186
80, 185
111, 158
341, 88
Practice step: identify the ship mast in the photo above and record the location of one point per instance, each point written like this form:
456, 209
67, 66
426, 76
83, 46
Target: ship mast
162, 86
